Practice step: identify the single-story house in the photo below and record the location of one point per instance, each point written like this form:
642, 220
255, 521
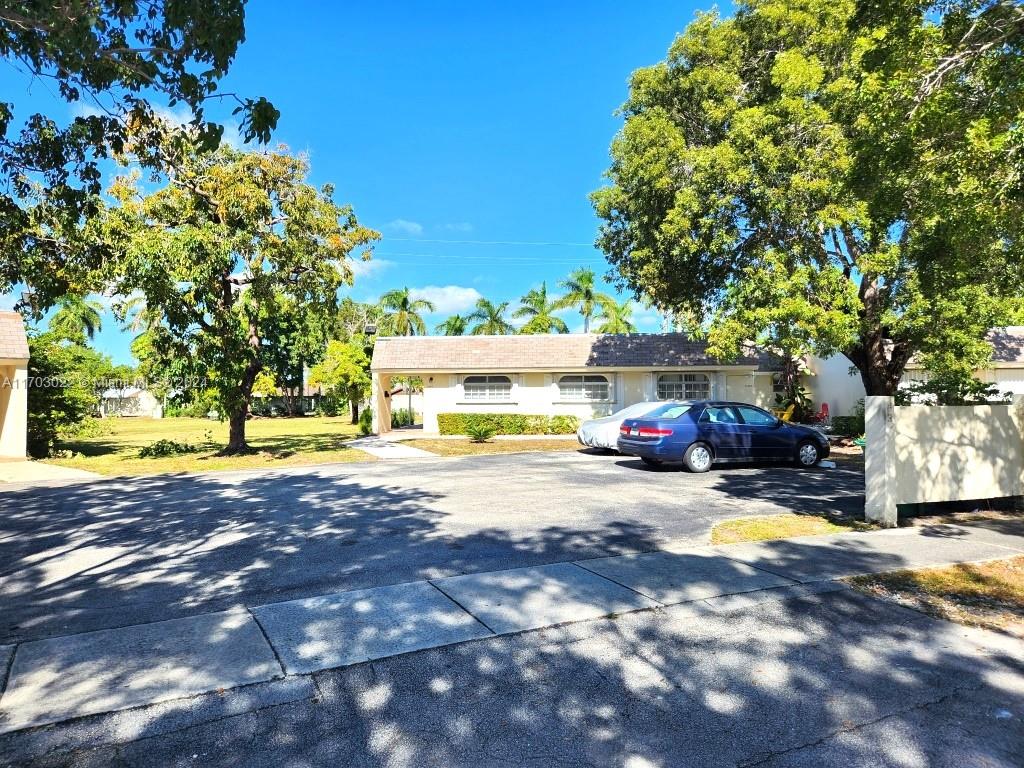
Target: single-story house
291, 400
582, 375
1006, 370
130, 401
13, 386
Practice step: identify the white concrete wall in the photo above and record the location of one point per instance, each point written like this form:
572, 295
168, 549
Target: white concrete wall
829, 381
13, 408
921, 454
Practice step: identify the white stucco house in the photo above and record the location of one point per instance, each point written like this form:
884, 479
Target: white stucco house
13, 386
130, 401
582, 375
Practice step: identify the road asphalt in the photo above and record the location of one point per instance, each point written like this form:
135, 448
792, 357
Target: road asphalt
60, 691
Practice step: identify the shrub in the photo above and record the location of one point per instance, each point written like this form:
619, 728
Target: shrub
480, 433
163, 448
403, 417
366, 422
563, 425
506, 423
850, 426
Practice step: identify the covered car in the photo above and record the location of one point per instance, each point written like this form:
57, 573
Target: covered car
604, 432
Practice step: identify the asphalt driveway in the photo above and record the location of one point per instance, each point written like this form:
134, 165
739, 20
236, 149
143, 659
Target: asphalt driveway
118, 552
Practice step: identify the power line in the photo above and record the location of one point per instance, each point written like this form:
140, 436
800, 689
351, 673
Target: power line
485, 242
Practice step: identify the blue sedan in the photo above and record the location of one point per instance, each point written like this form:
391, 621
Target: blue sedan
704, 432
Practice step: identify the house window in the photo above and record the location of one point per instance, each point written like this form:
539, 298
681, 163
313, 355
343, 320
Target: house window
578, 387
684, 386
487, 389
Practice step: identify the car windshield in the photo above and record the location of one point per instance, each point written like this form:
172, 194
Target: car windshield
669, 411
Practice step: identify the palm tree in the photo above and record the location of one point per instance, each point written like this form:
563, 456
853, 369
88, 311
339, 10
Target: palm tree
582, 293
491, 319
453, 326
402, 313
539, 310
77, 318
618, 318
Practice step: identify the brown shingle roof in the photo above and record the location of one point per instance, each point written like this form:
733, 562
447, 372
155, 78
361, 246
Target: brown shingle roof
13, 341
546, 352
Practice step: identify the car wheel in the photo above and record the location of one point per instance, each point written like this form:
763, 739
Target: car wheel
698, 458
650, 462
807, 454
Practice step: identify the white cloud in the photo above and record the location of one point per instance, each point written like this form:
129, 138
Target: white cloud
367, 269
459, 226
180, 116
448, 299
405, 227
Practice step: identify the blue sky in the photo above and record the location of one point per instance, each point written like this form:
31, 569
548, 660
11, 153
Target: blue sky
466, 132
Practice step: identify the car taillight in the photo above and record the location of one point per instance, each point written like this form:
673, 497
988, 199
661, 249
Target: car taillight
623, 430
654, 432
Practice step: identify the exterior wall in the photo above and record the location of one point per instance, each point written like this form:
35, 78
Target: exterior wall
537, 393
830, 382
139, 404
1007, 379
920, 454
13, 408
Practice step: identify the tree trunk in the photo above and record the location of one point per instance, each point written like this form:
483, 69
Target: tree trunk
354, 404
236, 420
236, 432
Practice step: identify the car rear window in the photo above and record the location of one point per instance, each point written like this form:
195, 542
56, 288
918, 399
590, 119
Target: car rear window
669, 411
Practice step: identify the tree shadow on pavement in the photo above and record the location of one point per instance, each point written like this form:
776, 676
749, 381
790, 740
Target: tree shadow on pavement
833, 679
118, 552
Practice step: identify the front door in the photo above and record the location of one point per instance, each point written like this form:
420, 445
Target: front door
740, 388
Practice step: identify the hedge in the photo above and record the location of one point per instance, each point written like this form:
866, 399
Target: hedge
507, 423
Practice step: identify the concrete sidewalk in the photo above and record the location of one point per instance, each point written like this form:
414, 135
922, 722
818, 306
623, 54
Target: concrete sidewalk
62, 678
389, 449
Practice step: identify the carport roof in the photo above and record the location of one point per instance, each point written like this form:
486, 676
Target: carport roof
13, 341
550, 352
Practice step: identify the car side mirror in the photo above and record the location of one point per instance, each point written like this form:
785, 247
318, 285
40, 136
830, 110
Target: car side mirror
778, 423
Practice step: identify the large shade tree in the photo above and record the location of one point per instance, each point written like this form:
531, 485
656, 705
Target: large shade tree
803, 173
107, 58
234, 250
539, 312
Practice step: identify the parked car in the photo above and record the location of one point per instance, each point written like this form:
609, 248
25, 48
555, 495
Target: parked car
604, 432
705, 432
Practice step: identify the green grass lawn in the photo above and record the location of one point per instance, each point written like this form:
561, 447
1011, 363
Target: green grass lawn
279, 442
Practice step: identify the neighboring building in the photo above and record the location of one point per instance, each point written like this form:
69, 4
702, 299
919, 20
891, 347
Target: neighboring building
289, 401
130, 401
13, 386
582, 375
1006, 370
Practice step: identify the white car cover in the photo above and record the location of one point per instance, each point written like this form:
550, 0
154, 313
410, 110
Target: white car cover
604, 432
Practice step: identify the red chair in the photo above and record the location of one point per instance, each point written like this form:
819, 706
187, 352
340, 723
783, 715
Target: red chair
821, 416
